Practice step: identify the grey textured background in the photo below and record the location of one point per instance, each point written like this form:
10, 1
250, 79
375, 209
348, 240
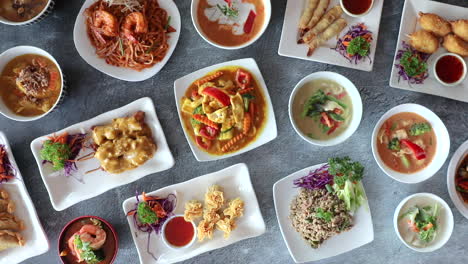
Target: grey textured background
92, 93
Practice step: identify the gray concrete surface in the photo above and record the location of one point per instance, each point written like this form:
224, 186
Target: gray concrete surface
92, 93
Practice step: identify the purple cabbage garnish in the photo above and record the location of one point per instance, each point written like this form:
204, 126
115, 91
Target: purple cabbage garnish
316, 179
419, 79
7, 171
355, 31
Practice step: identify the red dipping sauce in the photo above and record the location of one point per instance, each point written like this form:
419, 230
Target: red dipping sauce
449, 69
357, 7
178, 232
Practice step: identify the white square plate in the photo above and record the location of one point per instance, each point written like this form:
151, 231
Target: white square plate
235, 181
290, 34
269, 131
362, 232
34, 235
409, 24
67, 191
87, 51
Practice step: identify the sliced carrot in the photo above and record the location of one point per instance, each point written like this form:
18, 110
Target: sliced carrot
247, 124
209, 78
428, 226
205, 120
246, 90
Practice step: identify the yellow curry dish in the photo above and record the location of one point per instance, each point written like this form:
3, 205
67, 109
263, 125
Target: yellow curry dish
224, 111
30, 85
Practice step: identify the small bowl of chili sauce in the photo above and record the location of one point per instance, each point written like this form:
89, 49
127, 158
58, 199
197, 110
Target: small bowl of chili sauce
178, 233
356, 8
450, 69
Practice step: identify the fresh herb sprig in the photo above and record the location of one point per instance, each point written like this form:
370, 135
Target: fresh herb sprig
87, 254
145, 214
344, 169
228, 11
419, 129
55, 152
325, 215
358, 45
412, 64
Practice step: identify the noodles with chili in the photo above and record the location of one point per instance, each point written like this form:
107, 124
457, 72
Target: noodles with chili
129, 33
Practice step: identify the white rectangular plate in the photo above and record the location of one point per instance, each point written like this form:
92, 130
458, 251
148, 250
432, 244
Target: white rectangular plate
235, 181
269, 131
409, 24
362, 232
67, 191
290, 34
34, 235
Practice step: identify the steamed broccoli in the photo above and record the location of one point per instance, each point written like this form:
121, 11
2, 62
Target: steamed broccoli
419, 129
394, 144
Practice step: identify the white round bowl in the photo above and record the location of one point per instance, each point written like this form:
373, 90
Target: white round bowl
47, 9
457, 157
193, 12
356, 15
169, 245
442, 149
9, 55
464, 69
445, 220
355, 99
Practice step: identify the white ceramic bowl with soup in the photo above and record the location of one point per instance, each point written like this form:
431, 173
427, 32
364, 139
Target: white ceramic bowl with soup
329, 122
230, 25
410, 143
444, 222
17, 53
178, 235
24, 14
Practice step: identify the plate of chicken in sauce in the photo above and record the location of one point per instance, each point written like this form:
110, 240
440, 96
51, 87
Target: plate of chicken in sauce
31, 83
225, 109
130, 40
107, 151
434, 38
21, 233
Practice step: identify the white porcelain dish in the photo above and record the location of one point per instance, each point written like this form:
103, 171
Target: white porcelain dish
355, 99
169, 245
409, 24
442, 149
445, 221
437, 76
290, 34
67, 191
47, 10
235, 181
9, 55
87, 51
457, 158
362, 232
34, 235
193, 12
269, 131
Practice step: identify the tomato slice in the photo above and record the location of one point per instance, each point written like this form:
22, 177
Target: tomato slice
418, 152
217, 94
243, 78
249, 22
209, 133
204, 144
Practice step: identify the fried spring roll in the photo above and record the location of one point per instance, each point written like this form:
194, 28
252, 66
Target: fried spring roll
318, 13
330, 17
334, 29
307, 14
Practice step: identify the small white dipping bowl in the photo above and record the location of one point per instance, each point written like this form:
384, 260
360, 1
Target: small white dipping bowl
355, 99
193, 11
47, 9
356, 15
169, 245
9, 55
461, 60
445, 220
442, 149
457, 158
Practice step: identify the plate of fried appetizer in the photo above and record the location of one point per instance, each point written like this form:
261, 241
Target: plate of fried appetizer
181, 221
338, 32
21, 233
113, 149
432, 50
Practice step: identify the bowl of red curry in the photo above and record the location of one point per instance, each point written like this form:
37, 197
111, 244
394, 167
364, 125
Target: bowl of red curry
88, 240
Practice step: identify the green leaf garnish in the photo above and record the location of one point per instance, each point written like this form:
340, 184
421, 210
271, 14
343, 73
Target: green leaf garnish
358, 45
145, 214
87, 254
343, 169
228, 11
56, 153
320, 213
412, 64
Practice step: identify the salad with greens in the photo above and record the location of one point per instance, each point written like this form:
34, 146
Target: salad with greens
421, 224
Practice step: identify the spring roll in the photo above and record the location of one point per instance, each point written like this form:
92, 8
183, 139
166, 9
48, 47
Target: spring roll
318, 13
10, 222
334, 29
307, 14
330, 17
10, 239
7, 206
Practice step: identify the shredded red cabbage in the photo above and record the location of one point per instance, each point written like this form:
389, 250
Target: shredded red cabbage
316, 179
355, 31
401, 70
7, 171
168, 204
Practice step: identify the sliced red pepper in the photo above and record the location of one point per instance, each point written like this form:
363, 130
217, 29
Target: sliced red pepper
243, 78
204, 144
418, 152
337, 111
249, 22
463, 184
219, 95
209, 133
326, 120
195, 94
387, 129
229, 2
335, 126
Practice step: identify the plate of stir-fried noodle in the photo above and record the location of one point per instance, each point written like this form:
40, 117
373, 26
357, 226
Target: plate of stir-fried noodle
129, 40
